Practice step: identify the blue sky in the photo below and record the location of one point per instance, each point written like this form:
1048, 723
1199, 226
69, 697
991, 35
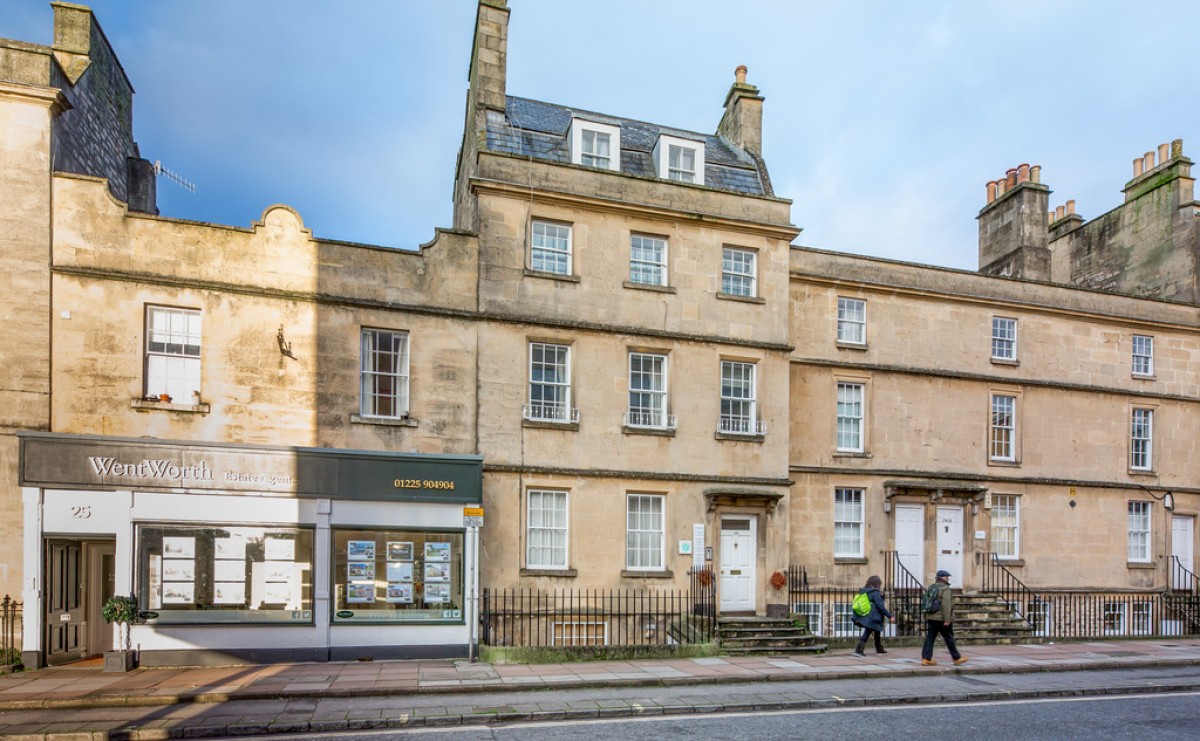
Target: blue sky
883, 121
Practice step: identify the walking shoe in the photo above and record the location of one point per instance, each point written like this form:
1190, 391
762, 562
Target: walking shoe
960, 660
860, 654
880, 651
928, 662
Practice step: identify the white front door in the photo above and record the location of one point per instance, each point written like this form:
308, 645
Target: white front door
1181, 548
738, 559
910, 539
950, 542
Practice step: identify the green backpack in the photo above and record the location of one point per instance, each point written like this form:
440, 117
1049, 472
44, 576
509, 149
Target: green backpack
931, 601
861, 604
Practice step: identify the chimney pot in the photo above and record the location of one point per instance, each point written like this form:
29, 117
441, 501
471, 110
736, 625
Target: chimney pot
1163, 150
739, 74
1138, 167
991, 191
1059, 212
1035, 174
1050, 217
1070, 207
1148, 161
1011, 180
1177, 148
1023, 173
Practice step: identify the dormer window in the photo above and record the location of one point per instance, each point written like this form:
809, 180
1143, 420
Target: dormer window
595, 144
679, 159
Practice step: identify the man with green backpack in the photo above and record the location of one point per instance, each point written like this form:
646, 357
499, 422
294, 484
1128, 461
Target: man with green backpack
869, 613
938, 605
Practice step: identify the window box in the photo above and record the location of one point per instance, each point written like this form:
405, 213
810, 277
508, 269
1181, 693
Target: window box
145, 405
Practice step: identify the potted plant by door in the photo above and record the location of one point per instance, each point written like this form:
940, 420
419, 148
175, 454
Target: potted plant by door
124, 612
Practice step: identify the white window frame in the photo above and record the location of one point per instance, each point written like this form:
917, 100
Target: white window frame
551, 247
578, 633
556, 529
374, 401
1002, 428
662, 159
648, 391
1006, 526
645, 540
648, 260
1139, 530
1004, 338
580, 157
1113, 618
1141, 439
851, 321
813, 612
739, 272
739, 398
544, 406
843, 620
173, 347
1142, 360
849, 505
851, 416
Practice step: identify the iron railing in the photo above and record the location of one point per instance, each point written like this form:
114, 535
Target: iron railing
1182, 579
828, 613
10, 633
905, 591
998, 580
592, 618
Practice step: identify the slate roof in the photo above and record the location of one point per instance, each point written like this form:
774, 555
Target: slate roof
539, 130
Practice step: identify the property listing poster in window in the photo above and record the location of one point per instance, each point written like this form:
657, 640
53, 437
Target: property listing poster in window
407, 576
212, 574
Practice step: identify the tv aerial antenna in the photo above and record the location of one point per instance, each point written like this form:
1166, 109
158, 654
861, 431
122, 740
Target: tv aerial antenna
174, 177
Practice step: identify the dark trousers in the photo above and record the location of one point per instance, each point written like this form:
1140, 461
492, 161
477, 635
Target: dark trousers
866, 635
934, 628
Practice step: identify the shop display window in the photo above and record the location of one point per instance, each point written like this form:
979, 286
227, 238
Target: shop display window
216, 574
407, 576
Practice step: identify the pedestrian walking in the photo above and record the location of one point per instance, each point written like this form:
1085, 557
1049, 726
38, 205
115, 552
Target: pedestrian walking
938, 604
872, 622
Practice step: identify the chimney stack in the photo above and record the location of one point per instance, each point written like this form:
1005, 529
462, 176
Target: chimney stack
742, 121
1013, 225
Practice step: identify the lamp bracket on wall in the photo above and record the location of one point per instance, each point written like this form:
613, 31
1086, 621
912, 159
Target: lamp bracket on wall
285, 347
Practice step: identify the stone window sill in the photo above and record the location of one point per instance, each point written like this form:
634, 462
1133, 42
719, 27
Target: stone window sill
1144, 377
1140, 565
1143, 472
656, 431
628, 574
851, 345
1004, 464
1011, 561
1006, 361
851, 454
146, 405
565, 573
739, 438
743, 299
648, 287
850, 560
359, 419
530, 273
545, 425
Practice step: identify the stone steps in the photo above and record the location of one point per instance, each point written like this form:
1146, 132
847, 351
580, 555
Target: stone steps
765, 636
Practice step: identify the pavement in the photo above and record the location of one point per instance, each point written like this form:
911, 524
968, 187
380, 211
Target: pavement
80, 701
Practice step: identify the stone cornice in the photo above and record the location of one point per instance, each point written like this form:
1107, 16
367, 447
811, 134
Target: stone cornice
646, 475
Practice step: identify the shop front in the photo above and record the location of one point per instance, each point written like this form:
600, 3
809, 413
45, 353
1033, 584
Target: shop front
245, 553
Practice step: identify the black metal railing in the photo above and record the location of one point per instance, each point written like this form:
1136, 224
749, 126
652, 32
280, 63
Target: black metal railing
1098, 615
905, 591
828, 613
10, 633
1182, 579
592, 618
1003, 583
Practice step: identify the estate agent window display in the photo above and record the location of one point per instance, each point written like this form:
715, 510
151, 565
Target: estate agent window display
397, 576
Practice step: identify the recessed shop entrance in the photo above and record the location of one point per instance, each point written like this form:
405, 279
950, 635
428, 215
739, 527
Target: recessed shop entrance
79, 578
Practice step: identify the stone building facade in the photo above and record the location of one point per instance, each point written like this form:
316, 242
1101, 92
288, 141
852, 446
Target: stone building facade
617, 333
